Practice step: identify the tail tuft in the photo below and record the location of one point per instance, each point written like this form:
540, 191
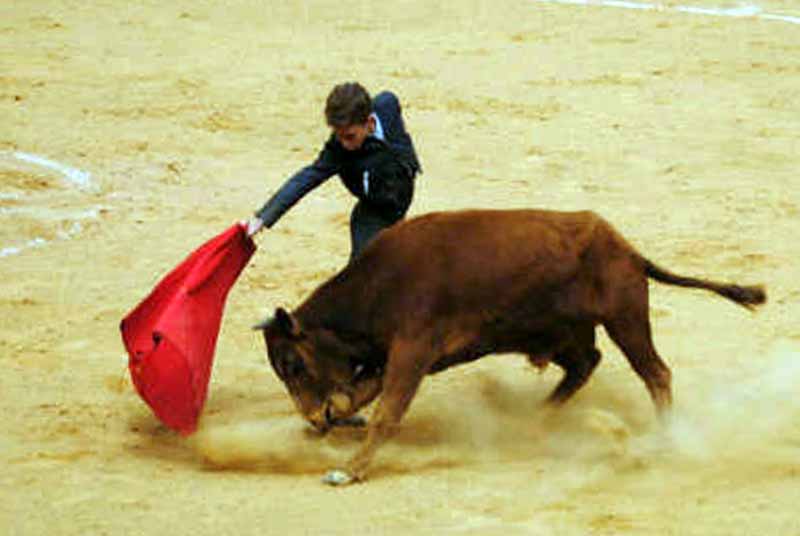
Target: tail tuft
749, 296
746, 296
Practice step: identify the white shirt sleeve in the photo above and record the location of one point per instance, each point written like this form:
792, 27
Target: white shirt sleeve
378, 128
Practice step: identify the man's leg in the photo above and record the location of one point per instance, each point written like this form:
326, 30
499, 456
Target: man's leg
365, 223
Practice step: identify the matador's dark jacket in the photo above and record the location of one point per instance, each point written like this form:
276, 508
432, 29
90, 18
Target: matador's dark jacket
380, 173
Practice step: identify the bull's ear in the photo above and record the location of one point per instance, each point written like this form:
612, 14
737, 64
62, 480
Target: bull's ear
288, 323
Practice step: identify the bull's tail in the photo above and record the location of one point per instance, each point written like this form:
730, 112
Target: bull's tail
748, 296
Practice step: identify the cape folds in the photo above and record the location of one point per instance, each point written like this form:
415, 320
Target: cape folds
171, 335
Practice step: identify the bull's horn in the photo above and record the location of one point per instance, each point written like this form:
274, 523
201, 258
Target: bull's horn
263, 324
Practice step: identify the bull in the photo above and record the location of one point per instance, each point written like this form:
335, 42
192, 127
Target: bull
448, 288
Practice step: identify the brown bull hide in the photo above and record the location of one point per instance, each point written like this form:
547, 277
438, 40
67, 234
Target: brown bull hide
448, 288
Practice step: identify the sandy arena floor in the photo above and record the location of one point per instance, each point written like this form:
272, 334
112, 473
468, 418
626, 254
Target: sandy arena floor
133, 131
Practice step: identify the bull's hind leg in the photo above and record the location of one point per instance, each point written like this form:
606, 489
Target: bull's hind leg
631, 332
578, 365
578, 359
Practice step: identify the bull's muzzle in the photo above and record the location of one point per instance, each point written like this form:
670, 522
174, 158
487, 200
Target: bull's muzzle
340, 404
321, 419
336, 410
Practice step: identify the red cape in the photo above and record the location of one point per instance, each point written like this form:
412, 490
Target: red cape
171, 335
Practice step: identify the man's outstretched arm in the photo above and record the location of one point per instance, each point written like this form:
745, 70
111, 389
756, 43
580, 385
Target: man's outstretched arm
294, 189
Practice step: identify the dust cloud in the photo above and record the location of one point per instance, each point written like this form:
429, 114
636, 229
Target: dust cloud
496, 416
281, 445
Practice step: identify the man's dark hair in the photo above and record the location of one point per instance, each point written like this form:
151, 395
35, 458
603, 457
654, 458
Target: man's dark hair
348, 104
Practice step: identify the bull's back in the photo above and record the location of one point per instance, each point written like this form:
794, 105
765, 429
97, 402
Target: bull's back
478, 256
486, 238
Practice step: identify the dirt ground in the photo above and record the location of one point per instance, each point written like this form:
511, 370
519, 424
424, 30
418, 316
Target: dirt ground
679, 127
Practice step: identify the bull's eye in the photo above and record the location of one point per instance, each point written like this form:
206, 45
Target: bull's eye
294, 366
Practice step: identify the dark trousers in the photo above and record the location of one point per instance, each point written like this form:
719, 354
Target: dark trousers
366, 221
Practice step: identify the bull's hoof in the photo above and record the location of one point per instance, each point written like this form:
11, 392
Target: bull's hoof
337, 477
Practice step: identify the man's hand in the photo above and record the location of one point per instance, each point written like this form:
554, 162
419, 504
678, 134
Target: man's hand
254, 225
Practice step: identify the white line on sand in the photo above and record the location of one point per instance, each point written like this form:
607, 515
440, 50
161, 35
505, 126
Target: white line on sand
13, 250
81, 179
738, 12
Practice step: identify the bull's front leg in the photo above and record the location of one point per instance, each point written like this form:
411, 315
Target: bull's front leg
406, 366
